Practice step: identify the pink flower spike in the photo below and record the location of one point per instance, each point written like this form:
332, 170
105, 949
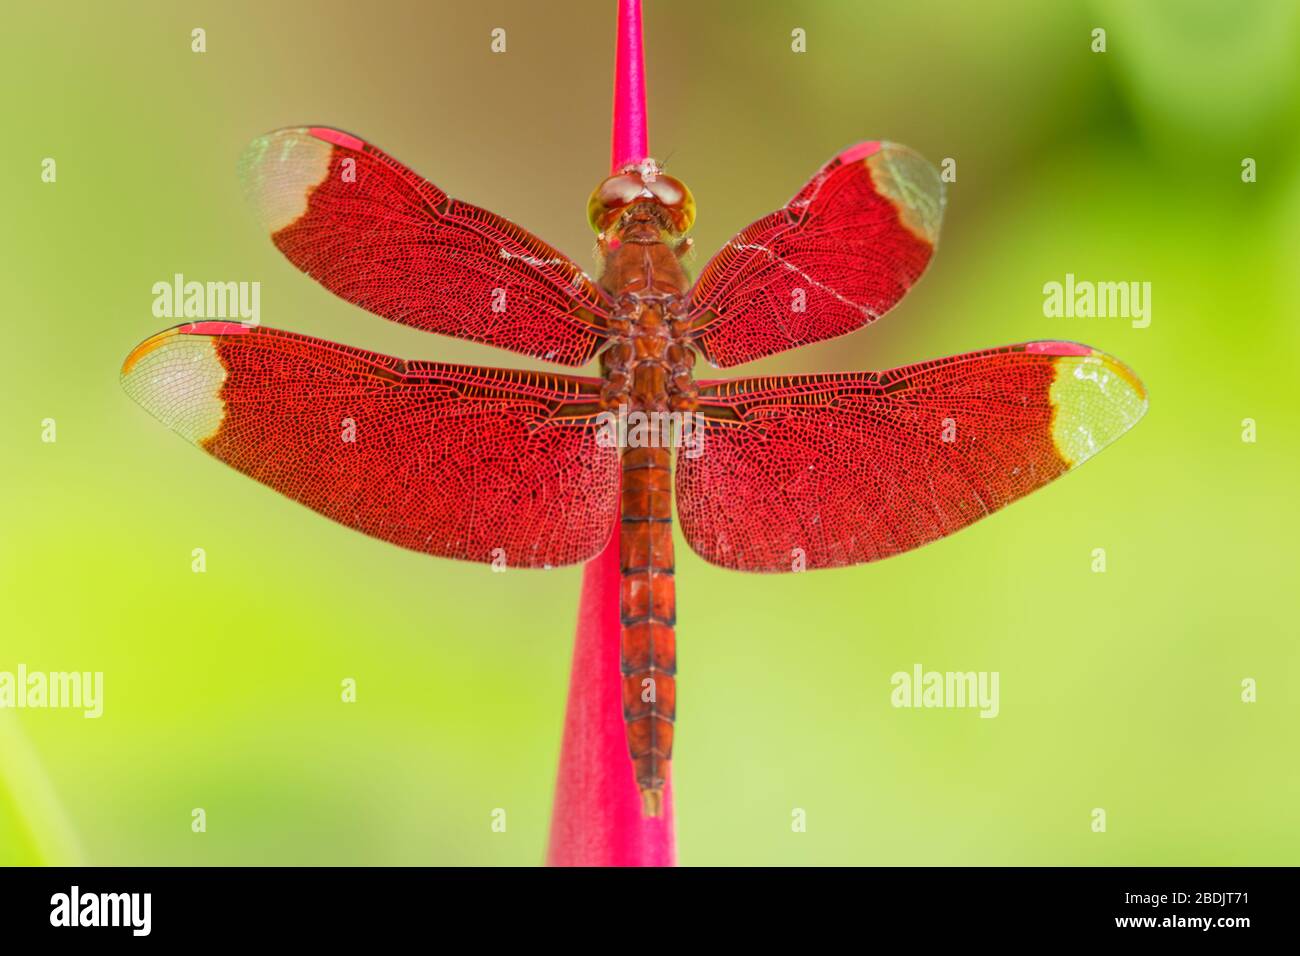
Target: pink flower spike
630, 142
597, 817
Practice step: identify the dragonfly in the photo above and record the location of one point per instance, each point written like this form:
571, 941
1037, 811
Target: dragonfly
781, 474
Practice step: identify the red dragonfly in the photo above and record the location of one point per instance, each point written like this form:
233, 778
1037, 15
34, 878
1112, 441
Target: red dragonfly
482, 464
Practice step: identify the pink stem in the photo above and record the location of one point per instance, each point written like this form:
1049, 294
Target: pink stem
631, 141
597, 818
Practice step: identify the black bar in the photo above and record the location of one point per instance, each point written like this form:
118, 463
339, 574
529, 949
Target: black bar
1169, 906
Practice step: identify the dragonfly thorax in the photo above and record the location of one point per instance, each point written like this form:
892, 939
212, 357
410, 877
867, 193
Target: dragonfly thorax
648, 362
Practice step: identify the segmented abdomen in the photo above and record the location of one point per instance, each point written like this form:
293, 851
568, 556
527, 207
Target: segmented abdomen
649, 613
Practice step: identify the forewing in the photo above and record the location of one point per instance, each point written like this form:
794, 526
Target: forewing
838, 256
380, 236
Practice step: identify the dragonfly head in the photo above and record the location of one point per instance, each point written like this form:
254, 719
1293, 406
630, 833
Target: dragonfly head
642, 192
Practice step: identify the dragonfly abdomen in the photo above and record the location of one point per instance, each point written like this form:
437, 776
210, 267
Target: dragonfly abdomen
648, 608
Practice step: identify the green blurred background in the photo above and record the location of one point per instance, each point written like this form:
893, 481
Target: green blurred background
1118, 690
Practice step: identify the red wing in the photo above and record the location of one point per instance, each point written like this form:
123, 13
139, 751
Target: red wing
378, 235
830, 470
838, 256
451, 460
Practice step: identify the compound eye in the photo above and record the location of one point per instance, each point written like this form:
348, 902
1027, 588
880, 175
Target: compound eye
668, 191
610, 197
677, 199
